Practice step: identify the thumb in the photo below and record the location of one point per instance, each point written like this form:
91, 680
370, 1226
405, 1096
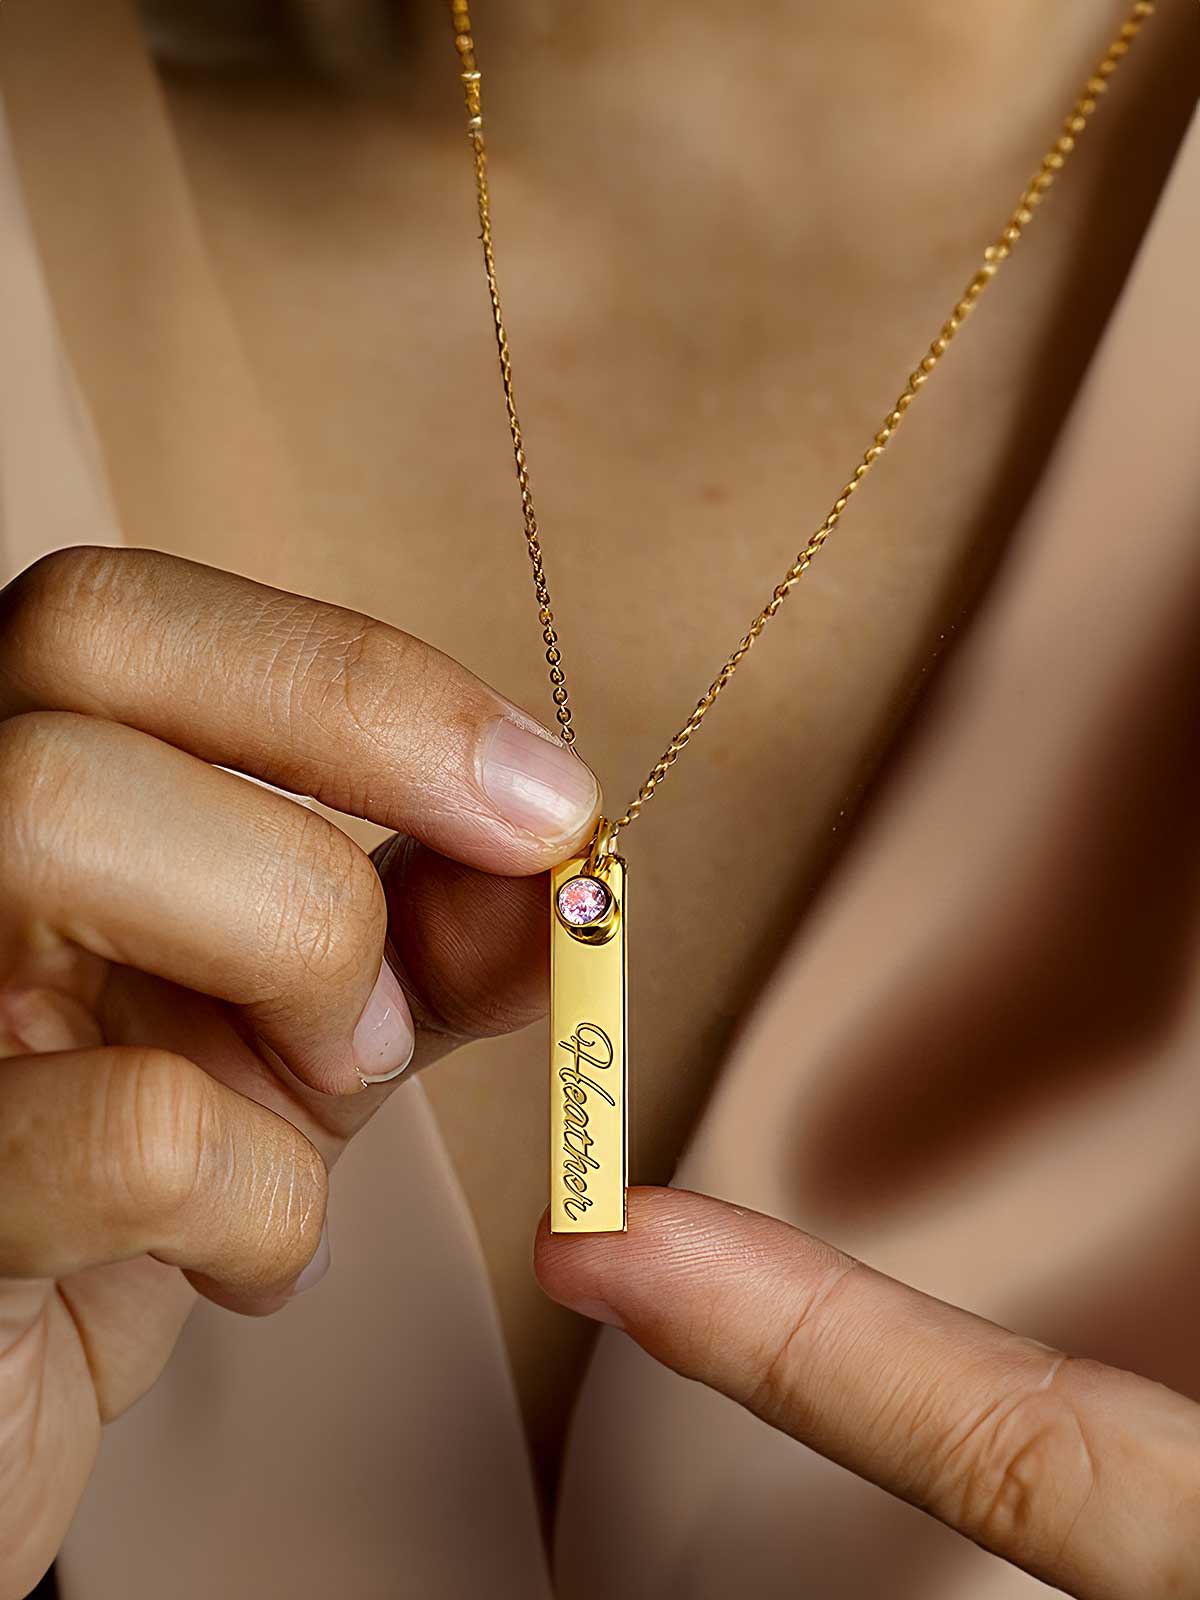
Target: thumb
1085, 1476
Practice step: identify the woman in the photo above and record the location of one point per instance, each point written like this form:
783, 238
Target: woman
244, 327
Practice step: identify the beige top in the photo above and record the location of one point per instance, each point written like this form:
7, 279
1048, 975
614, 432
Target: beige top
998, 981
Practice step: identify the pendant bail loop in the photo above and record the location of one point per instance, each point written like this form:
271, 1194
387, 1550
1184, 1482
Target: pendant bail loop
603, 845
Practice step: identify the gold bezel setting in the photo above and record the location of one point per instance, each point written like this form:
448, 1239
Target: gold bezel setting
602, 928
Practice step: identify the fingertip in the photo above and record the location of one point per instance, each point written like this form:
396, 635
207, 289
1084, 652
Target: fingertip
254, 1304
328, 1074
603, 1275
237, 1300
562, 1269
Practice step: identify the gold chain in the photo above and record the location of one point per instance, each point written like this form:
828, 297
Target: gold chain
993, 257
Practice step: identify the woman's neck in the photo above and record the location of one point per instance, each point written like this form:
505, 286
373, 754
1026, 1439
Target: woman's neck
795, 129
784, 102
767, 58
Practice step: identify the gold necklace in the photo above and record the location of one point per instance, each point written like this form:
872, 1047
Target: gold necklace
588, 1065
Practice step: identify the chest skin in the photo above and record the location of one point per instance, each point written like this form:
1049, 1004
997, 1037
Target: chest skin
710, 315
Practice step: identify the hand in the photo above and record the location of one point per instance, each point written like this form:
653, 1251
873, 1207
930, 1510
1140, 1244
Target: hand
1087, 1477
192, 974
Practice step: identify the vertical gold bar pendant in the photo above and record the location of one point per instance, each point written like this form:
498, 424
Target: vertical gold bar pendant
588, 1127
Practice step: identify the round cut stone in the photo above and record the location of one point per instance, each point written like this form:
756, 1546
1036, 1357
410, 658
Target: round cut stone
582, 901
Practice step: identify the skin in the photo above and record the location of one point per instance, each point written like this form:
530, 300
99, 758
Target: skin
694, 395
262, 163
1085, 1476
186, 959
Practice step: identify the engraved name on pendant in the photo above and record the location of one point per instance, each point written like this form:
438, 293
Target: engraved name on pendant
591, 1053
587, 1047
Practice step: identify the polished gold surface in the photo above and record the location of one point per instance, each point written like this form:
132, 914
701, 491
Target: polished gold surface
993, 258
588, 1133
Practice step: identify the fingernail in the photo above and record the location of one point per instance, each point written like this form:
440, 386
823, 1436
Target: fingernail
535, 783
317, 1267
384, 1039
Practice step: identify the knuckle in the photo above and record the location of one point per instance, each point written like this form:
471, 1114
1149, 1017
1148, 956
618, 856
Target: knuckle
314, 660
354, 679
326, 906
58, 581
1015, 1474
153, 1126
810, 1320
168, 1153
379, 659
34, 743
78, 617
41, 764
48, 604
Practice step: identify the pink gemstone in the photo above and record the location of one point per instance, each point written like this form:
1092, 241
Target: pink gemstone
581, 901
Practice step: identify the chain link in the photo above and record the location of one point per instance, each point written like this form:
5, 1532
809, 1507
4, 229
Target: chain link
994, 257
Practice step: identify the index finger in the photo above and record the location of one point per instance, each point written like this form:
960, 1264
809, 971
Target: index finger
317, 699
1087, 1477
